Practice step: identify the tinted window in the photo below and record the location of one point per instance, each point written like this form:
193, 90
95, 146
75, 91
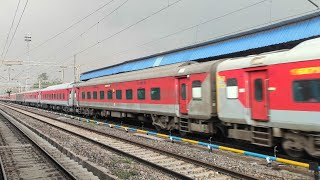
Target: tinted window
129, 94
307, 90
110, 94
101, 94
155, 93
141, 94
232, 82
88, 95
183, 92
196, 90
83, 95
118, 94
95, 95
258, 89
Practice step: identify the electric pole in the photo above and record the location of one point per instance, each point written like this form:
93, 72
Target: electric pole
74, 68
27, 38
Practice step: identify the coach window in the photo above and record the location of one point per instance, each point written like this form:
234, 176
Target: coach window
118, 94
129, 94
141, 94
155, 93
110, 94
95, 95
232, 88
183, 92
83, 95
101, 94
196, 90
88, 95
258, 89
63, 96
307, 90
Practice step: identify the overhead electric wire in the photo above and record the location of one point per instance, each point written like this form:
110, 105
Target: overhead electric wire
16, 28
93, 45
124, 29
191, 27
92, 26
128, 27
61, 32
69, 27
14, 17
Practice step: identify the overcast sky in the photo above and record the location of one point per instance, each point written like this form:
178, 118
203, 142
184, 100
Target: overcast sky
120, 30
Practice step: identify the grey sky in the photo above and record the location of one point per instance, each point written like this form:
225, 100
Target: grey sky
45, 18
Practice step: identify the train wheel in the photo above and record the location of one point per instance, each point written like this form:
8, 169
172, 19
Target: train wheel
295, 153
183, 133
292, 150
158, 128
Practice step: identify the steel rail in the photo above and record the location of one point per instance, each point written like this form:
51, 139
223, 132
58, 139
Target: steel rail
3, 172
38, 146
187, 159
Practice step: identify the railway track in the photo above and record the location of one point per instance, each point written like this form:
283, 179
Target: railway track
26, 155
173, 164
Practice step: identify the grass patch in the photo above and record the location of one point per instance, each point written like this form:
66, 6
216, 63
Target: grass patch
126, 160
123, 174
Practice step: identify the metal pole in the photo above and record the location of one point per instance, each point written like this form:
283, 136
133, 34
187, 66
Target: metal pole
9, 69
27, 38
62, 75
74, 68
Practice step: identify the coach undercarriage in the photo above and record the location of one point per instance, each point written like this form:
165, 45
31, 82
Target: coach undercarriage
160, 122
294, 143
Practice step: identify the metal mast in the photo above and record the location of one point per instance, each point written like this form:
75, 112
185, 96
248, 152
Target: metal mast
27, 38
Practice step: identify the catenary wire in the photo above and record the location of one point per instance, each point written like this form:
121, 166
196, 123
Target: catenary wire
92, 26
93, 45
16, 29
188, 28
14, 17
61, 32
66, 29
122, 30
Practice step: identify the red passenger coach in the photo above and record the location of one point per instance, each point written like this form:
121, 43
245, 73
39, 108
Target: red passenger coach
273, 95
161, 95
31, 97
58, 97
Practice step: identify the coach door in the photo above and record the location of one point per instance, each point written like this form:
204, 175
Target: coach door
183, 97
70, 100
258, 95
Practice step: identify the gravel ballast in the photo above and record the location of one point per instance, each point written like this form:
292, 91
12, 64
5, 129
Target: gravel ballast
237, 162
117, 166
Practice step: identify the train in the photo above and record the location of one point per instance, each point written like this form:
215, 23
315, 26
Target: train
266, 99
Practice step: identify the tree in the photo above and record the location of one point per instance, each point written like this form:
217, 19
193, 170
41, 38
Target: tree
9, 92
43, 77
45, 82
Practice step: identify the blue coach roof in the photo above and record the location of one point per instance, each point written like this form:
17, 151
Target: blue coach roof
291, 32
